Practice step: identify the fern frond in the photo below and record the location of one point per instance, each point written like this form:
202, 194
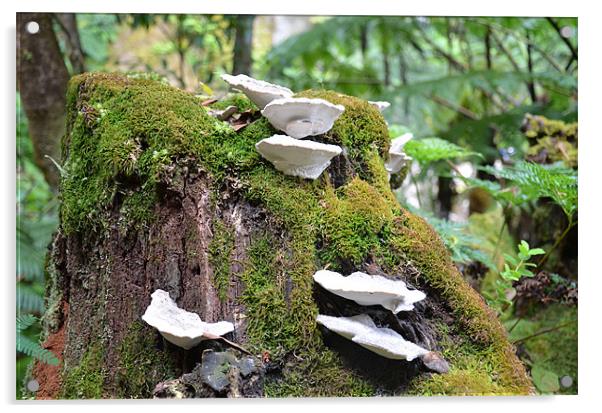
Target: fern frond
33, 349
25, 321
29, 300
539, 181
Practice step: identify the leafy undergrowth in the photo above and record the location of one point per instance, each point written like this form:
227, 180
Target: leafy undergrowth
549, 347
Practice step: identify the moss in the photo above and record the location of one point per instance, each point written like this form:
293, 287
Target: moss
551, 140
419, 242
320, 373
86, 380
353, 222
235, 99
360, 129
278, 296
139, 128
141, 363
220, 250
136, 128
459, 383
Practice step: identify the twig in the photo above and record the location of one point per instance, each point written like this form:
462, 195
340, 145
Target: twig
505, 51
460, 109
530, 83
500, 234
230, 343
570, 226
514, 325
413, 179
566, 41
520, 38
539, 333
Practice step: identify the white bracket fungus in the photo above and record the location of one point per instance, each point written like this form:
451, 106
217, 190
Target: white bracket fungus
367, 289
397, 157
180, 327
380, 105
261, 93
383, 341
302, 117
306, 159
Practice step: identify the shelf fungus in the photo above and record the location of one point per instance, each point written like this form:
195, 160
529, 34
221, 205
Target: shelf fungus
180, 327
306, 159
397, 157
302, 117
367, 289
258, 91
383, 341
380, 105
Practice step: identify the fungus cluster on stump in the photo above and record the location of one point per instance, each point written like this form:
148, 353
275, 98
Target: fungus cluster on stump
159, 194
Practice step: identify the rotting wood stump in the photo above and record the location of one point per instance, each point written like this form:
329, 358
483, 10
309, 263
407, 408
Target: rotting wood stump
158, 194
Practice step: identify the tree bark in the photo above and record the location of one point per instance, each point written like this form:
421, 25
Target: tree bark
243, 59
68, 23
241, 245
42, 82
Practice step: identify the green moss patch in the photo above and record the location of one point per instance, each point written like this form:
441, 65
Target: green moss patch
87, 379
141, 364
220, 251
419, 242
353, 222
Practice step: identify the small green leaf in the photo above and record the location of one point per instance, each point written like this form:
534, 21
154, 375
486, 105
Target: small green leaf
523, 247
536, 251
509, 258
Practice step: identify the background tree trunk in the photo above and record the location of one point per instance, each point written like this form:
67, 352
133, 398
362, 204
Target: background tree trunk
42, 82
243, 59
68, 23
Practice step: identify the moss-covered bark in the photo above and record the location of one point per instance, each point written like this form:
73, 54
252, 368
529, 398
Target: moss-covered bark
158, 194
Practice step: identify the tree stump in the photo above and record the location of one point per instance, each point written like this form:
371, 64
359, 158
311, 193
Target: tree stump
157, 193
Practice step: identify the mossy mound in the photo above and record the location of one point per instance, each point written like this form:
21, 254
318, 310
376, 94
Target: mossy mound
551, 140
128, 136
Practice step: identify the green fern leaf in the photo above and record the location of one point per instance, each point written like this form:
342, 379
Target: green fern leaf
29, 347
24, 322
539, 181
29, 300
33, 349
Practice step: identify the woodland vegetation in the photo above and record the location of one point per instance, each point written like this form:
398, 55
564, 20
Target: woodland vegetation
492, 106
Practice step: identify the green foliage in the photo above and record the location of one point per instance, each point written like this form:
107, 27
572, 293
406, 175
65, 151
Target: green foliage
85, 381
27, 346
514, 270
97, 32
463, 246
36, 222
429, 150
441, 59
548, 337
535, 181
